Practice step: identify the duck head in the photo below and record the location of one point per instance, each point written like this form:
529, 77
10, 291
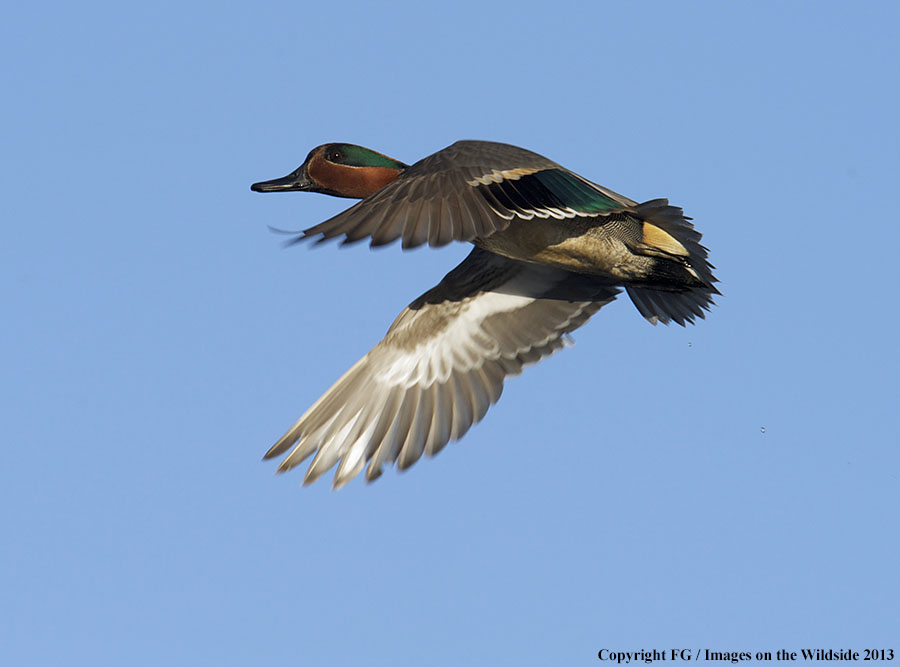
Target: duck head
340, 170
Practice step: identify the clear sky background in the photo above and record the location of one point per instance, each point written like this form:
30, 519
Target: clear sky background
733, 486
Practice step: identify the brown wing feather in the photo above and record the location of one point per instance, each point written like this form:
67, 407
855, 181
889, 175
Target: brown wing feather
451, 208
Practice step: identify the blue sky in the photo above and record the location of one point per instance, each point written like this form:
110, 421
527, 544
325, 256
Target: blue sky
623, 494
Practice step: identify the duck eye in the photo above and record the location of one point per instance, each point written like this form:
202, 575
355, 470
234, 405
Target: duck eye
335, 156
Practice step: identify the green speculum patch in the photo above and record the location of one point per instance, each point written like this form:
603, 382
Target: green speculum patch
574, 192
548, 189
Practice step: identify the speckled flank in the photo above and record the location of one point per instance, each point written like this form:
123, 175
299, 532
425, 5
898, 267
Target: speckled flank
583, 245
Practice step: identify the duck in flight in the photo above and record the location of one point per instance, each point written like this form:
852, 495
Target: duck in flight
550, 249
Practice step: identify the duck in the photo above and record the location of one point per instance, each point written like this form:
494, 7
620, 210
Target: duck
550, 249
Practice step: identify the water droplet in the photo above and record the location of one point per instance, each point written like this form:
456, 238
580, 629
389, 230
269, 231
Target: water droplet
762, 429
690, 344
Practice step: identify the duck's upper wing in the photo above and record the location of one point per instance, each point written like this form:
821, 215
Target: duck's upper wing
441, 365
468, 190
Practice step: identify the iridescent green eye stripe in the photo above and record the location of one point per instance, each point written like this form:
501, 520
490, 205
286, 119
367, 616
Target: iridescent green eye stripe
573, 192
357, 156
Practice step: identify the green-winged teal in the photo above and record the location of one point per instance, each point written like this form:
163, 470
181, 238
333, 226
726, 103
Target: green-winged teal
551, 248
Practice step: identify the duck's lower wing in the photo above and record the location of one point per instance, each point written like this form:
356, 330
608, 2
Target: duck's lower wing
441, 366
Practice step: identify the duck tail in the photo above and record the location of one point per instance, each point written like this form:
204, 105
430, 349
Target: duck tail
681, 284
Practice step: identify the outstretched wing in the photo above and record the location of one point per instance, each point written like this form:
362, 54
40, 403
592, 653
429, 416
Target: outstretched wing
441, 366
468, 190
